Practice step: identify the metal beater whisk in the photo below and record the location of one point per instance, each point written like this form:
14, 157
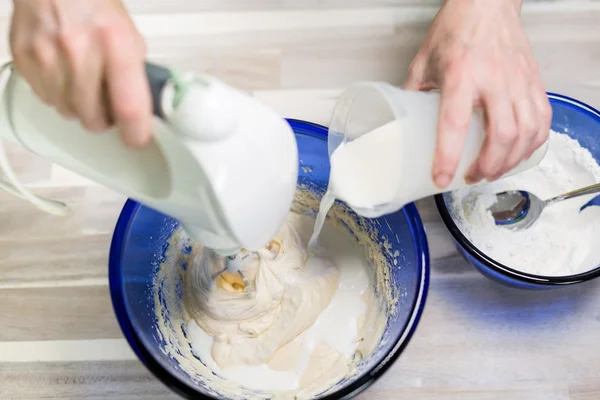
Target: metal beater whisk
235, 263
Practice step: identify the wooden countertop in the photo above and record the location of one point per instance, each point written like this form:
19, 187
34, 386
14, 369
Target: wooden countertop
477, 340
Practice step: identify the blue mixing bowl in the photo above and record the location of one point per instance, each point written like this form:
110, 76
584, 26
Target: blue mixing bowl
580, 122
141, 239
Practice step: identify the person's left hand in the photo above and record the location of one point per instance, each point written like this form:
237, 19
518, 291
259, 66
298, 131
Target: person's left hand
477, 53
86, 59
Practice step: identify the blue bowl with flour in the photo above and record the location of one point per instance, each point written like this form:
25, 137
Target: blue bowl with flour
582, 123
141, 241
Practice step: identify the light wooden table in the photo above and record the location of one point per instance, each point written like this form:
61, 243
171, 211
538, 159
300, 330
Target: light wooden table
476, 340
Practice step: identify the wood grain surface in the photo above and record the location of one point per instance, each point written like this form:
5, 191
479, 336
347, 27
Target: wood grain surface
476, 341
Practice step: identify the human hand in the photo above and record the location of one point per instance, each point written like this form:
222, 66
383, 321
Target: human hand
477, 54
86, 59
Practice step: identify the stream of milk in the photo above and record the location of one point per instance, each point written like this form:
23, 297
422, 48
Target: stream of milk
360, 173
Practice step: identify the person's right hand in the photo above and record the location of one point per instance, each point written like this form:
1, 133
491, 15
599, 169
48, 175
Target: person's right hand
86, 59
477, 53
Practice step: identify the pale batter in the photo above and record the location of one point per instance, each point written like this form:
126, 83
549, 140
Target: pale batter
303, 325
325, 356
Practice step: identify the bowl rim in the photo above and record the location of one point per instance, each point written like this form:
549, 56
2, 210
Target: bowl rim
185, 390
500, 268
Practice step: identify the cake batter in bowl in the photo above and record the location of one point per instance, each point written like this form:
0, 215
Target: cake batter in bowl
149, 270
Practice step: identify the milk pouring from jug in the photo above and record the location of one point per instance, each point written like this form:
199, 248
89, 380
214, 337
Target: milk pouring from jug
220, 162
382, 143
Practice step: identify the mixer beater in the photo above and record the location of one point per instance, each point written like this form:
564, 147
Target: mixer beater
233, 265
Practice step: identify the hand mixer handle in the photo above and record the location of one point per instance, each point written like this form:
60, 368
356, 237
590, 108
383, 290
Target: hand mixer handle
195, 106
158, 77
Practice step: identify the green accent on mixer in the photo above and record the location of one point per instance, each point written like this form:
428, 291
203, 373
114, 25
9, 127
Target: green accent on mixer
182, 85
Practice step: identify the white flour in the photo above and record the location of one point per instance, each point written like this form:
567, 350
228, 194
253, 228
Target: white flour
564, 241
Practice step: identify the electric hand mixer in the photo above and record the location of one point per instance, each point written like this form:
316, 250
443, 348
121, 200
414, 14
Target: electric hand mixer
220, 162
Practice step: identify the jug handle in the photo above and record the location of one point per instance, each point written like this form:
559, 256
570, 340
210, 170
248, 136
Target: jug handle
157, 77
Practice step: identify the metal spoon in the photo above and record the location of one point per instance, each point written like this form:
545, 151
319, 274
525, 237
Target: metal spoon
519, 209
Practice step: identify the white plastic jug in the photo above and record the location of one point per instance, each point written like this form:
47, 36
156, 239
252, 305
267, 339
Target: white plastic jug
222, 163
367, 106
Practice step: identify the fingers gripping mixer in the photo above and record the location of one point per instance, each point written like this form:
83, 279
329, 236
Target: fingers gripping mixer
222, 163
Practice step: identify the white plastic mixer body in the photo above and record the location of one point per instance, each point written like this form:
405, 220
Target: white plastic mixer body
222, 163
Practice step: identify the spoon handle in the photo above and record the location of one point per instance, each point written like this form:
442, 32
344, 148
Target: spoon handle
575, 193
